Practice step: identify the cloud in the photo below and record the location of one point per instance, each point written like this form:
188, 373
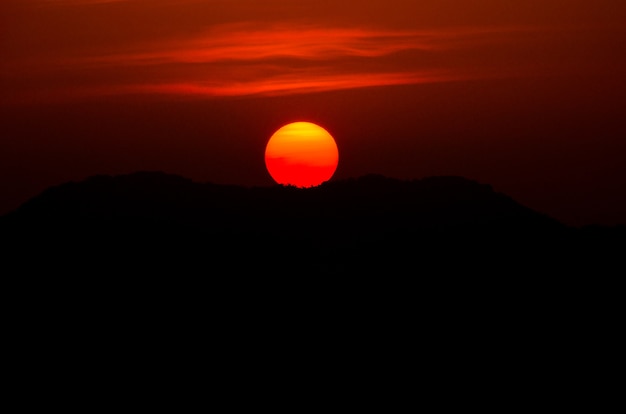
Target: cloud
251, 43
290, 84
241, 43
252, 59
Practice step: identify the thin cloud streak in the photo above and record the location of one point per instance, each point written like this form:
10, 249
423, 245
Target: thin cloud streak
322, 44
242, 43
292, 85
272, 86
245, 59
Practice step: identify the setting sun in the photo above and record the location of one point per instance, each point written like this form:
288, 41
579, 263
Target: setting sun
301, 154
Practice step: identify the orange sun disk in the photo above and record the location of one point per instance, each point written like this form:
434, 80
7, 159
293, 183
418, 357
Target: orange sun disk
301, 154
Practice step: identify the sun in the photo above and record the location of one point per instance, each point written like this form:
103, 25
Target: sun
301, 154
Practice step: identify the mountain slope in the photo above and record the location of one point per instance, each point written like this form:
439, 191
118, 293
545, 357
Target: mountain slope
384, 259
367, 223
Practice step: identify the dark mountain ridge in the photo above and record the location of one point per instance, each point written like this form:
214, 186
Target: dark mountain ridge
441, 261
373, 223
144, 196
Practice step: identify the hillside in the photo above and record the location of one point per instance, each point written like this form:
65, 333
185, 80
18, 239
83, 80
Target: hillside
372, 223
370, 259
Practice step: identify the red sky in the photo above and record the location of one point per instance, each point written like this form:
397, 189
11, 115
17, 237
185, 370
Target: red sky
529, 96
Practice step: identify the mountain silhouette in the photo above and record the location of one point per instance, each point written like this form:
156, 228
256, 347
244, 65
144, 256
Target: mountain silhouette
371, 223
440, 266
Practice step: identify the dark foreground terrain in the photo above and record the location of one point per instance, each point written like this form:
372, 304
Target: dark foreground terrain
435, 227
371, 279
437, 235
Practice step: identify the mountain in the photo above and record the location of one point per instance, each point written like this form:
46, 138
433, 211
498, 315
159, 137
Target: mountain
154, 220
439, 269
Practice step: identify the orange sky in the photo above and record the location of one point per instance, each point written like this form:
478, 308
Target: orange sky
59, 49
527, 96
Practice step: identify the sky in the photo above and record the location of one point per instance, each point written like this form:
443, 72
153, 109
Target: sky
529, 97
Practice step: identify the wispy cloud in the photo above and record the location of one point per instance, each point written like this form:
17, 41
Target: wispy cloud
290, 84
241, 43
248, 59
247, 43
